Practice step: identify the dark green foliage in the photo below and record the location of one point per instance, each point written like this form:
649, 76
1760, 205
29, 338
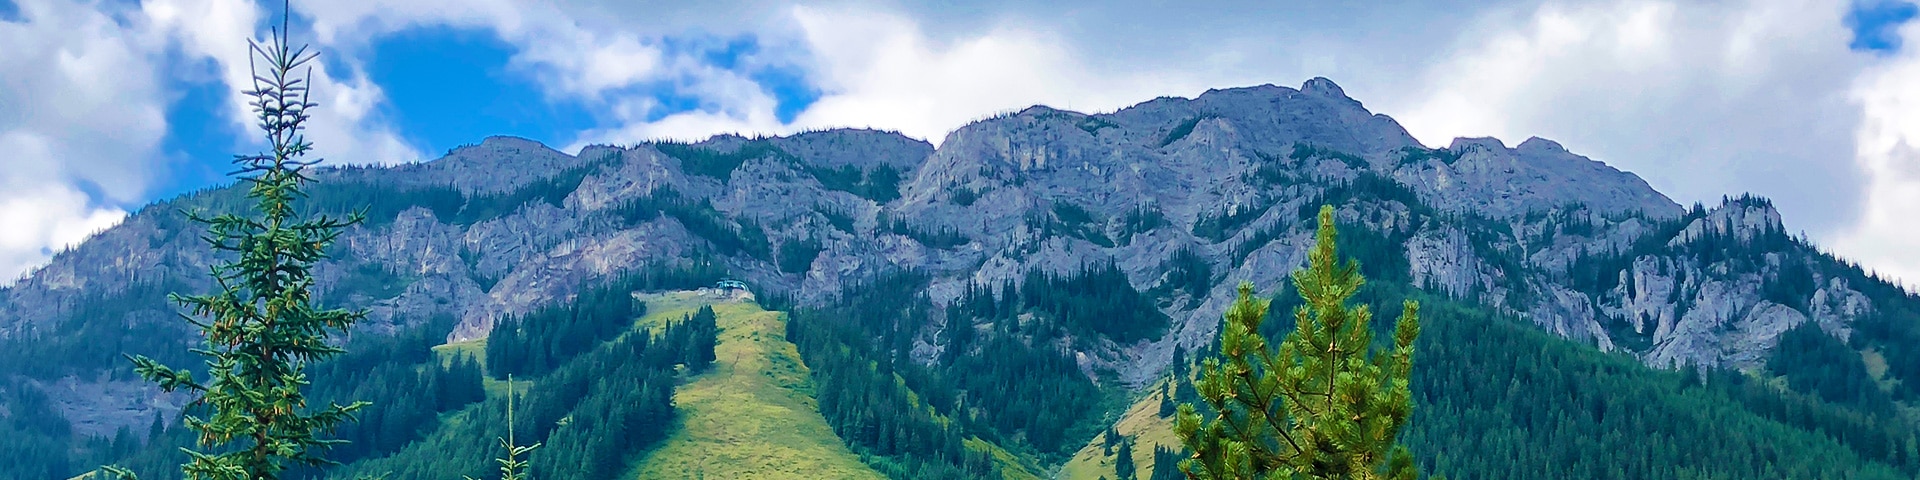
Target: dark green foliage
941, 238
1546, 414
373, 280
1189, 273
34, 439
964, 196
753, 240
1183, 129
1022, 394
546, 338
1067, 218
1816, 363
796, 256
552, 190
1329, 402
1260, 238
1166, 464
1142, 219
1070, 213
261, 327
413, 387
1221, 225
698, 333
728, 237
594, 414
1092, 124
1893, 329
1027, 393
880, 184
1273, 175
1363, 187
1417, 155
1792, 286
1382, 257
1167, 405
883, 184
1095, 300
1123, 468
383, 203
1302, 151
1599, 272
838, 217
707, 162
102, 327
875, 412
409, 386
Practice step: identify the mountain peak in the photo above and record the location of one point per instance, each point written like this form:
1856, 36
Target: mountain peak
1323, 86
1541, 145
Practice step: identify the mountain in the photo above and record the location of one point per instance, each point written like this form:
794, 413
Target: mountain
1111, 242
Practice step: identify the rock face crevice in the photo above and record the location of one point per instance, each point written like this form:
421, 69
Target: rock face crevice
1228, 179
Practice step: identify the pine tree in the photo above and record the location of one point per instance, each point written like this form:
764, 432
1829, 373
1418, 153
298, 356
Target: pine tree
261, 326
511, 466
1123, 468
1322, 405
1167, 407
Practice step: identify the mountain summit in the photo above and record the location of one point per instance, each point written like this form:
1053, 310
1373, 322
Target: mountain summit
1172, 201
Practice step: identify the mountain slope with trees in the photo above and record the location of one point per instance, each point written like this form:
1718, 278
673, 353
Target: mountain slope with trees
1094, 253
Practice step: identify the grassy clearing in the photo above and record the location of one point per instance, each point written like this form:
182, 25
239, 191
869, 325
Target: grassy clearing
753, 414
1142, 422
477, 349
1011, 466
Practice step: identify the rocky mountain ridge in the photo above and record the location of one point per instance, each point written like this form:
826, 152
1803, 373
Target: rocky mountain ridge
1187, 197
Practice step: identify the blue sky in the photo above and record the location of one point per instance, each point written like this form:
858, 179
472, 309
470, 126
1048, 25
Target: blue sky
449, 86
1875, 24
1804, 102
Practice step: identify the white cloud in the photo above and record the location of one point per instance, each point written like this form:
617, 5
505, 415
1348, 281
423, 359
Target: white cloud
1702, 99
79, 108
884, 70
1887, 236
82, 111
42, 221
346, 128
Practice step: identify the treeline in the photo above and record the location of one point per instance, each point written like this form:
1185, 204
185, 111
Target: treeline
100, 328
999, 385
1497, 398
707, 162
939, 237
1070, 219
1098, 299
874, 411
35, 440
1819, 364
382, 203
728, 237
410, 386
596, 412
880, 183
547, 338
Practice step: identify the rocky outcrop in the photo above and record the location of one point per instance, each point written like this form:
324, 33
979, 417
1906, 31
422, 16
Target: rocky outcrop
1232, 177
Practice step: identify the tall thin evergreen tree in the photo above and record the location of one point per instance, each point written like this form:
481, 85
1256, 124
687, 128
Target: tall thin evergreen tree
1323, 405
261, 325
511, 466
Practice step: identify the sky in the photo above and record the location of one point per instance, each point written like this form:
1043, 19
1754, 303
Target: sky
107, 105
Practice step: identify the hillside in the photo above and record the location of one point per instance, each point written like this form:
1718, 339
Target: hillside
753, 414
994, 304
